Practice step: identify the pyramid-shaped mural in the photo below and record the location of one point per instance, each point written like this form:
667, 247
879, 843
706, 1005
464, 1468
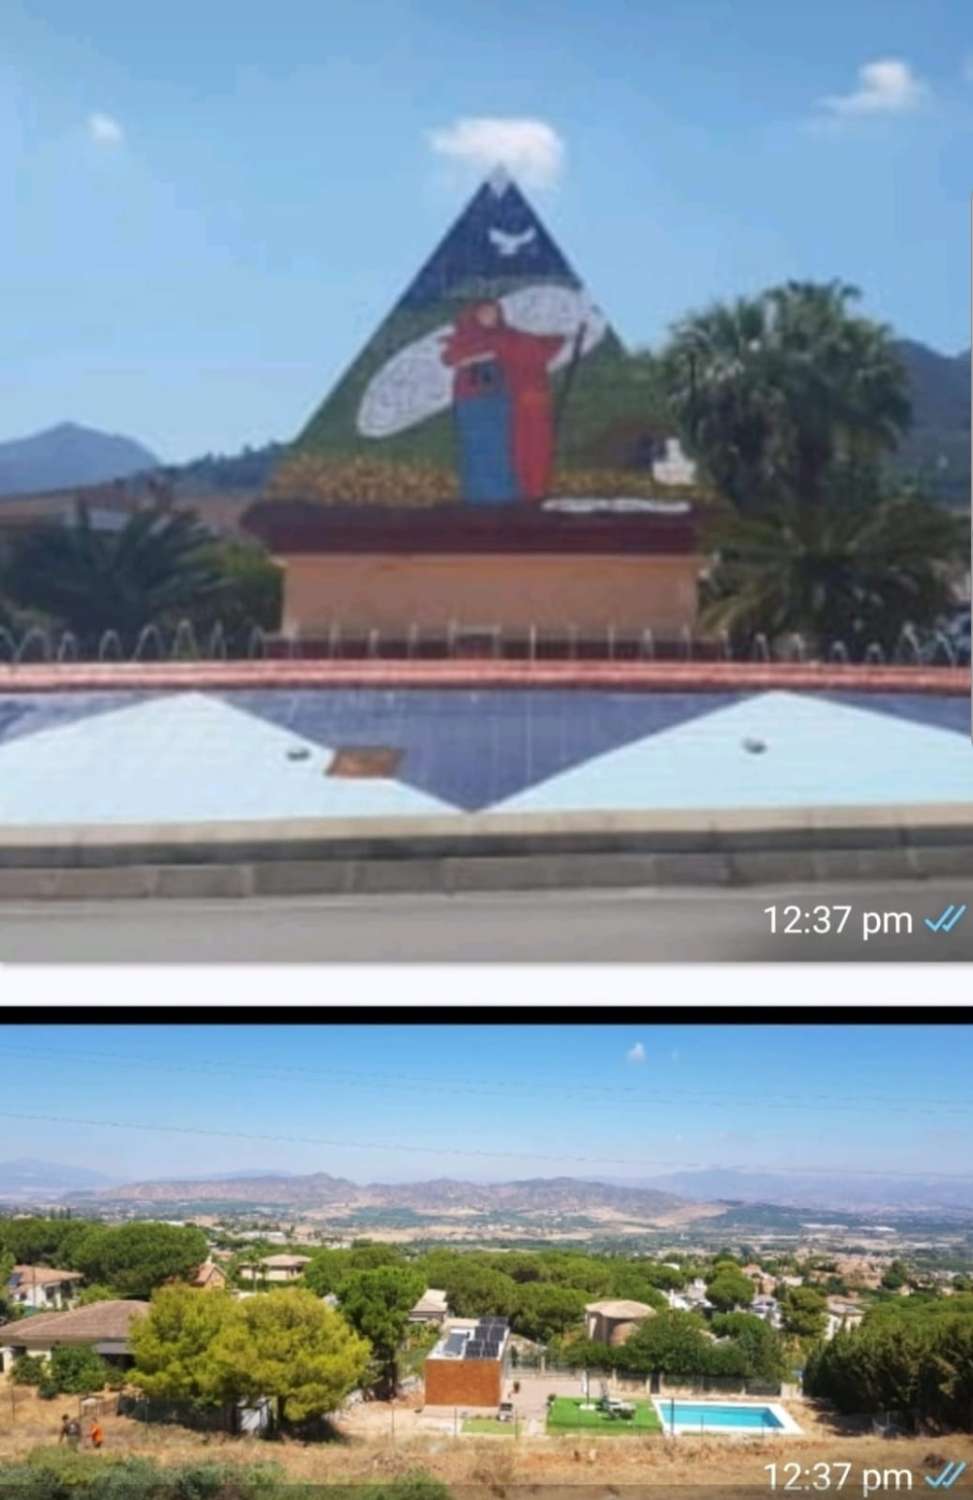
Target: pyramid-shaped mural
495, 380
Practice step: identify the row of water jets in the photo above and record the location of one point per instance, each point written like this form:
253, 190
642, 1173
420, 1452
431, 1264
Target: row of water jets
39, 645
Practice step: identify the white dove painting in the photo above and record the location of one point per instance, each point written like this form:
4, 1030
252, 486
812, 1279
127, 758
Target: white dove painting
511, 244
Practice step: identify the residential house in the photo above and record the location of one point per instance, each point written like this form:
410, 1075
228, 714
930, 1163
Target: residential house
42, 1289
615, 1321
209, 1277
431, 1307
843, 1313
767, 1308
468, 1365
763, 1283
692, 1298
276, 1268
104, 1325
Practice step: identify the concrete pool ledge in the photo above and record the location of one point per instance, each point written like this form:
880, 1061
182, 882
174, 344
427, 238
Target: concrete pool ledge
486, 852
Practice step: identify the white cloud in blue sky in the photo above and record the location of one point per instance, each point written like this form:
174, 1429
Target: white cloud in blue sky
531, 149
104, 129
636, 1054
887, 86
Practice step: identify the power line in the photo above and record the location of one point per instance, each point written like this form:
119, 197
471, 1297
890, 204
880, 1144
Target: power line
439, 1150
918, 1104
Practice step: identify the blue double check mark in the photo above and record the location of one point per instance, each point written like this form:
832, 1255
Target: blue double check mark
947, 920
948, 1477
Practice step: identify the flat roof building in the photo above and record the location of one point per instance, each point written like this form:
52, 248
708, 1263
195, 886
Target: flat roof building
467, 1366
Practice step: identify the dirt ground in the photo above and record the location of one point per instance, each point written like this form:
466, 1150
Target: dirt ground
377, 1440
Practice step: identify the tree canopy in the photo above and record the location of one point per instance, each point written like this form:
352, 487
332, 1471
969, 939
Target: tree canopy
135, 1258
377, 1304
207, 1348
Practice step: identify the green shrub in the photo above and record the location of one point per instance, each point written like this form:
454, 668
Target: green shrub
28, 1369
78, 1369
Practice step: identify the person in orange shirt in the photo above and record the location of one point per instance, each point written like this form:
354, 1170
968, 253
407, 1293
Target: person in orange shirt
95, 1434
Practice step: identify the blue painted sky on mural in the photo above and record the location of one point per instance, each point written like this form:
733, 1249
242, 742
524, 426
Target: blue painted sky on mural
213, 206
595, 1100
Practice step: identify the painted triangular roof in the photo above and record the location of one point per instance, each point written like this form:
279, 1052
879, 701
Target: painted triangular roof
391, 429
498, 238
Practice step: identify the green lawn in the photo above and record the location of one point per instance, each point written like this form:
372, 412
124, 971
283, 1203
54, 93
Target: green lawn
566, 1415
489, 1426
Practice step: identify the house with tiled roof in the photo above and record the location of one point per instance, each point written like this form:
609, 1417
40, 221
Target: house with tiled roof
209, 1277
42, 1288
103, 1325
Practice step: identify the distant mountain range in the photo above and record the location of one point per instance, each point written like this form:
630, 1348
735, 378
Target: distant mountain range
677, 1196
26, 1180
817, 1191
938, 443
937, 447
68, 455
444, 1195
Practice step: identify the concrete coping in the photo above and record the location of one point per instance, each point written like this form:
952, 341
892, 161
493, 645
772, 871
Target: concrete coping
718, 831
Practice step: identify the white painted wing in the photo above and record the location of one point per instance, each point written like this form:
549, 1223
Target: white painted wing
556, 309
415, 384
412, 386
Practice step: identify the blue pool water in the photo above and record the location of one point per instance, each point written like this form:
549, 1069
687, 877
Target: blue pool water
702, 1414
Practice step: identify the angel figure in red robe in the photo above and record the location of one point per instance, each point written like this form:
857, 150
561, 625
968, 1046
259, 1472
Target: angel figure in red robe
502, 401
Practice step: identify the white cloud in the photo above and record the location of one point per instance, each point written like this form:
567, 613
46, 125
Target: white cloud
105, 130
636, 1054
887, 86
530, 149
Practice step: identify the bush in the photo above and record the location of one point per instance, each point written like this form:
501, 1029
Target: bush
28, 1369
47, 1386
54, 1474
78, 1369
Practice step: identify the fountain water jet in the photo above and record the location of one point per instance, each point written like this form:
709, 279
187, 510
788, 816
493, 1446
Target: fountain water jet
35, 637
216, 649
149, 635
67, 649
110, 647
184, 645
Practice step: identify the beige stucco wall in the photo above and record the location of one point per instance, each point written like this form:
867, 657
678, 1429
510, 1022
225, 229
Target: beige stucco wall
390, 593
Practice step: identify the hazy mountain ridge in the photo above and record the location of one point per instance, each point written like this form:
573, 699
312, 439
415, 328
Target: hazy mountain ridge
25, 1178
320, 1189
818, 1191
69, 454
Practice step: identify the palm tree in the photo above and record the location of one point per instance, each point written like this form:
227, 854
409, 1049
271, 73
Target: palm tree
152, 569
772, 391
836, 571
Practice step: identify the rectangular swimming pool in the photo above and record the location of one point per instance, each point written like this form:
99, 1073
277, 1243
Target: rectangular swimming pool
710, 1416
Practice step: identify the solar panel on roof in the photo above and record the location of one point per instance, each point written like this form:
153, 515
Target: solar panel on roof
454, 1344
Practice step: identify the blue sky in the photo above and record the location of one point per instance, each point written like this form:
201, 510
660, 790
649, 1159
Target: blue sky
404, 1103
207, 208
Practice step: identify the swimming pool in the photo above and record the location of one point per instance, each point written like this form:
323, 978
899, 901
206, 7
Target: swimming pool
727, 1417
